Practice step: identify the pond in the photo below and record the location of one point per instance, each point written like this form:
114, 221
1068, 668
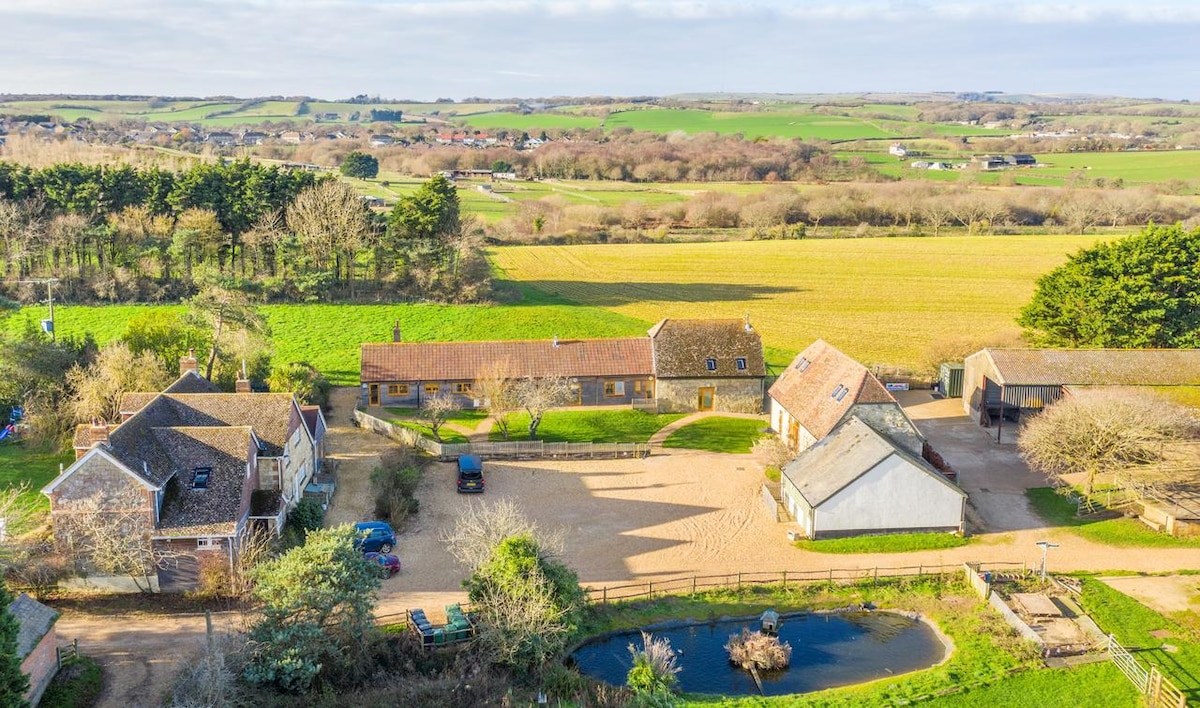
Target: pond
828, 650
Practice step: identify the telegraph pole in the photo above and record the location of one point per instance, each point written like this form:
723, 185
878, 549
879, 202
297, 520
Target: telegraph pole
47, 325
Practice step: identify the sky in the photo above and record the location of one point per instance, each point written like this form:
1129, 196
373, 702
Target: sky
426, 49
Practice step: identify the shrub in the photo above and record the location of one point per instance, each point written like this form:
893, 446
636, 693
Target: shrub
307, 516
77, 684
395, 482
655, 667
213, 576
755, 650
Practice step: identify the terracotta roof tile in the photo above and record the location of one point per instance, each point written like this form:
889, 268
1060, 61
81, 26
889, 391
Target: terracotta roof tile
682, 349
806, 389
462, 361
1100, 367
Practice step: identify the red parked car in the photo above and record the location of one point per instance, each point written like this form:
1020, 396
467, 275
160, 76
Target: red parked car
386, 561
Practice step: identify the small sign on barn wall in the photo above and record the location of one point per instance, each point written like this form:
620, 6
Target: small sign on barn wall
897, 386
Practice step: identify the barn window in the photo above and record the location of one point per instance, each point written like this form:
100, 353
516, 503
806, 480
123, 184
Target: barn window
838, 391
463, 388
208, 544
200, 477
803, 363
842, 395
397, 389
614, 388
432, 389
711, 364
741, 363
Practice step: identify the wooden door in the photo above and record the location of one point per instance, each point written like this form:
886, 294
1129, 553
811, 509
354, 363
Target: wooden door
373, 394
705, 399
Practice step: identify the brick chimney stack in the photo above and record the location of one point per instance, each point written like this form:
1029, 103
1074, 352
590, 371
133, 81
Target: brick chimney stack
98, 431
396, 332
243, 381
189, 363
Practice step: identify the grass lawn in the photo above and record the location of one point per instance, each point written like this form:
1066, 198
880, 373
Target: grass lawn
1094, 685
1124, 532
469, 417
885, 543
985, 648
622, 425
1132, 623
717, 434
19, 463
846, 291
406, 418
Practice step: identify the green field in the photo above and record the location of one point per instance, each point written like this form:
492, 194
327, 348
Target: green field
883, 301
794, 122
19, 464
329, 336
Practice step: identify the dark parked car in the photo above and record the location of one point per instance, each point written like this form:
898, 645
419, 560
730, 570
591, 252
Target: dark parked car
374, 537
387, 562
470, 473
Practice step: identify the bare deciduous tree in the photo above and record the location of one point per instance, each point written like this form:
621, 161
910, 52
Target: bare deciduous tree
112, 538
539, 394
1095, 433
222, 311
115, 372
332, 224
494, 384
480, 528
436, 410
772, 452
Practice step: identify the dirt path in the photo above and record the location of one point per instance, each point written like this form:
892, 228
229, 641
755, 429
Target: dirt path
357, 454
140, 655
1167, 594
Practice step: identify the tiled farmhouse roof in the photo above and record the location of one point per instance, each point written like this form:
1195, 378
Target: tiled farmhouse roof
134, 402
192, 382
849, 452
1097, 367
463, 361
810, 389
682, 349
214, 510
34, 620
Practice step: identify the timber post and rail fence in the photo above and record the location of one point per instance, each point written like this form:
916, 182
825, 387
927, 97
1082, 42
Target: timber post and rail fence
1157, 689
523, 450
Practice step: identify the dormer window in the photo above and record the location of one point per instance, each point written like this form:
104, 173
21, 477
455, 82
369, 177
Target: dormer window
741, 363
803, 363
200, 477
711, 364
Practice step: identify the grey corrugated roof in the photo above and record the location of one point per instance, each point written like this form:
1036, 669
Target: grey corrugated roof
1097, 367
843, 456
35, 620
849, 452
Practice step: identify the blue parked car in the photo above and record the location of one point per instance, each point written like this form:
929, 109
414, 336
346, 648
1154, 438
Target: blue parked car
374, 537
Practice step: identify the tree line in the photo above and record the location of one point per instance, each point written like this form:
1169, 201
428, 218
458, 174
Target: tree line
117, 233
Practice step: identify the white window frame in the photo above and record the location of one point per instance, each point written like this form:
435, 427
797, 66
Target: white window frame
208, 543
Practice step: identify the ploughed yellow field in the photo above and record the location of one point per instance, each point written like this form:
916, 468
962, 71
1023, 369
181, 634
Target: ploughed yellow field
885, 301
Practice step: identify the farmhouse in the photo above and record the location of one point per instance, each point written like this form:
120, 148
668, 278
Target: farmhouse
36, 643
823, 387
1003, 384
680, 365
857, 481
188, 472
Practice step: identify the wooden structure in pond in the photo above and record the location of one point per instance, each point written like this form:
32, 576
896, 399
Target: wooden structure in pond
459, 627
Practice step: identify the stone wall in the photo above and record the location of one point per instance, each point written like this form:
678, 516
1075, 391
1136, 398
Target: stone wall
731, 395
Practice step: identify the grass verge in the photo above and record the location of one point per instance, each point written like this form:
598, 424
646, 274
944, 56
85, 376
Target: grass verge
77, 685
1123, 532
717, 434
1153, 638
886, 543
622, 425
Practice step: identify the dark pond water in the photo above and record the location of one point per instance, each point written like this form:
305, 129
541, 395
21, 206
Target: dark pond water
827, 651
